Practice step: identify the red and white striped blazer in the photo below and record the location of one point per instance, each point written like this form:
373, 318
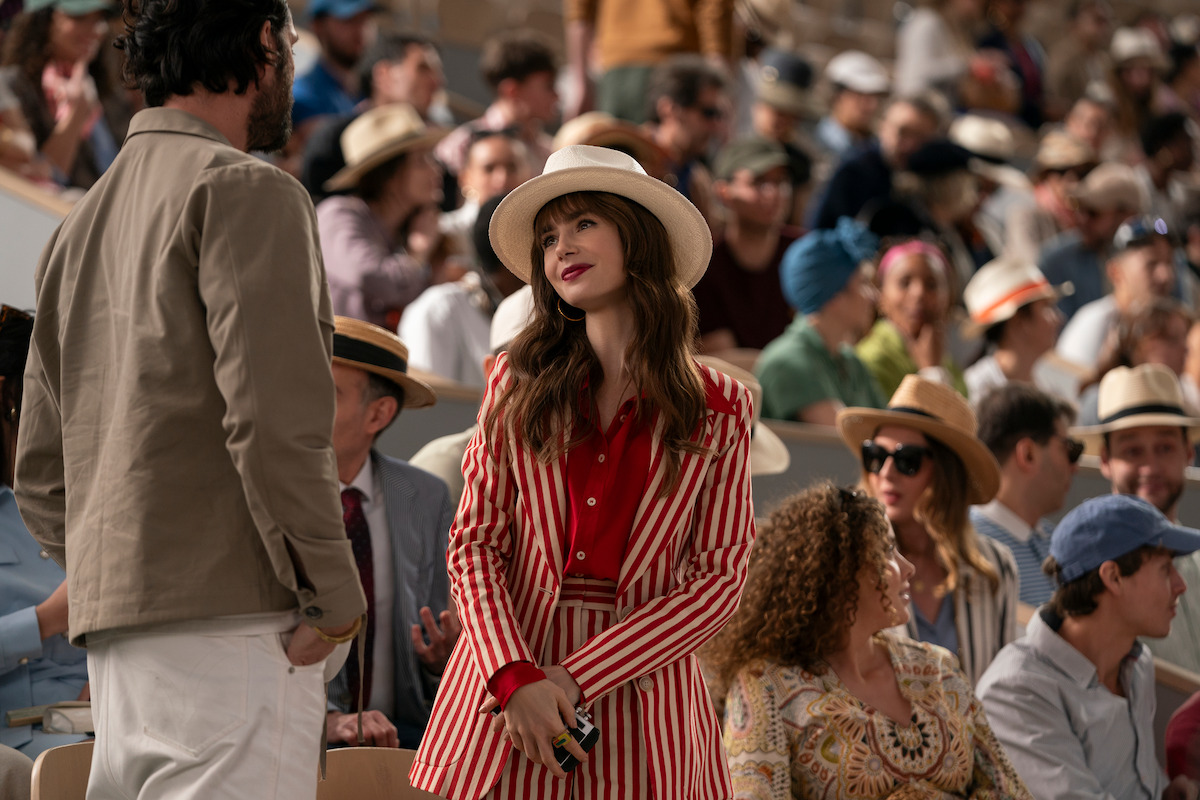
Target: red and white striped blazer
680, 581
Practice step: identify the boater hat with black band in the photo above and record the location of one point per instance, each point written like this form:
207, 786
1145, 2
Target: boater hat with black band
584, 168
369, 347
1148, 395
939, 412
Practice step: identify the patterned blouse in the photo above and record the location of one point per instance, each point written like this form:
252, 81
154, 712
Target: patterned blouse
791, 734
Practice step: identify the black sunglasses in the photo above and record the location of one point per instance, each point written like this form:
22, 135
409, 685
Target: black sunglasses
907, 457
711, 112
1074, 449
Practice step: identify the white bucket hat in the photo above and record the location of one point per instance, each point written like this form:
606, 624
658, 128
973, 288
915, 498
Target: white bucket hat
584, 168
1000, 288
858, 72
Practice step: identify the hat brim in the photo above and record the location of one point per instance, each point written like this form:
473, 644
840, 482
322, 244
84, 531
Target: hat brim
1001, 174
970, 329
856, 425
511, 228
1093, 435
768, 454
349, 176
417, 393
1181, 540
788, 99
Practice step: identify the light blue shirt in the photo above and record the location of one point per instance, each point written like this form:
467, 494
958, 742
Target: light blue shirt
942, 631
1068, 736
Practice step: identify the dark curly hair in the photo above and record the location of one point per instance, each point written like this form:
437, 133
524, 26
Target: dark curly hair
801, 592
173, 45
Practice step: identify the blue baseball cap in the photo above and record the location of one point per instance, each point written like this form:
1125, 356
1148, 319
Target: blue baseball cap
1104, 528
340, 9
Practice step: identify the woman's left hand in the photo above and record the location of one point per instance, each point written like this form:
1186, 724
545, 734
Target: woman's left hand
563, 680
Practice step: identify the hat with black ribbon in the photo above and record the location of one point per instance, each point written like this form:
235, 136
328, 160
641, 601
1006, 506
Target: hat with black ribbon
373, 349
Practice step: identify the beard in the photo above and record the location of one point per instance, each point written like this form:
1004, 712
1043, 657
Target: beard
270, 123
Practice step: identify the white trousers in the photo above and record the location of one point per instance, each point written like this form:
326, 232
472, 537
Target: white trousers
204, 711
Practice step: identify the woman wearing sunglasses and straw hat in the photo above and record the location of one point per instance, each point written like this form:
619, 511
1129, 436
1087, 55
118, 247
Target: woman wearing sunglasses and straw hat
606, 522
922, 459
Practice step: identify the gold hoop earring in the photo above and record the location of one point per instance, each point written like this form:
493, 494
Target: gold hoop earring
563, 314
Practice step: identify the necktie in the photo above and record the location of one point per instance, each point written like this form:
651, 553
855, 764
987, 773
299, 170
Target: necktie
360, 542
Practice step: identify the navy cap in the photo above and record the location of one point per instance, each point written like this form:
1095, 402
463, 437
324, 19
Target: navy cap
340, 9
1140, 231
1104, 528
939, 156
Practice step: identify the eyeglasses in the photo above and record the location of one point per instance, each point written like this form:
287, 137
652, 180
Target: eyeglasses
908, 458
711, 112
1074, 449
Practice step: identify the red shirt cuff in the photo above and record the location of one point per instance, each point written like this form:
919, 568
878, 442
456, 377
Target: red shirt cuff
511, 677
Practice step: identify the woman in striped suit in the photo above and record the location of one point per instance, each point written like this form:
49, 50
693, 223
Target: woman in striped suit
606, 522
922, 460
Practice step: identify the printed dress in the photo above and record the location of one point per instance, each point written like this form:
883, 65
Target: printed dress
791, 734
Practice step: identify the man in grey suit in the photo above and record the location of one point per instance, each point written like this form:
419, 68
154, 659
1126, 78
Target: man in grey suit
397, 518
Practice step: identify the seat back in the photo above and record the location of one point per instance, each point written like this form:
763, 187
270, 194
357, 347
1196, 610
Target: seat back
61, 773
369, 773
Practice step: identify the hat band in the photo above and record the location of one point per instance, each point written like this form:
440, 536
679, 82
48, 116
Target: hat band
985, 314
1146, 409
365, 353
911, 410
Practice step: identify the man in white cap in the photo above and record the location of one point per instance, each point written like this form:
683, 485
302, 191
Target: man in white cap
397, 518
1144, 440
858, 84
1072, 701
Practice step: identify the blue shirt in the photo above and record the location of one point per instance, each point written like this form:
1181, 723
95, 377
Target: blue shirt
942, 632
862, 177
317, 93
1064, 258
1029, 547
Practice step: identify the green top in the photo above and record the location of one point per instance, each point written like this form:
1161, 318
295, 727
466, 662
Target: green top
797, 370
886, 356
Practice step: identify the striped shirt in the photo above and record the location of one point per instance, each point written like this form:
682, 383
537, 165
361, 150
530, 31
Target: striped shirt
1029, 547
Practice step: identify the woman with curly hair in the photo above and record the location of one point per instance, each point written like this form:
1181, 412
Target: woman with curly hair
54, 64
606, 521
922, 459
820, 699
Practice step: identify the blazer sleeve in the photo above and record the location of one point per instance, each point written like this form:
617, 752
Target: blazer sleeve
481, 545
667, 628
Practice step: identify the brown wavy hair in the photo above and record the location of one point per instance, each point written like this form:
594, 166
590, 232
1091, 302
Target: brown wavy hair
801, 593
945, 511
27, 47
551, 358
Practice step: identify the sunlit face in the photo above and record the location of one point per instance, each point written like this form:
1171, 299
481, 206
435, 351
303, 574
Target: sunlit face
1168, 347
903, 130
892, 607
913, 293
352, 432
856, 111
763, 199
1146, 272
343, 40
419, 179
1149, 462
269, 124
536, 97
414, 79
1089, 123
856, 303
76, 38
900, 493
1150, 596
1055, 470
495, 165
1038, 325
702, 124
773, 123
584, 260
1137, 76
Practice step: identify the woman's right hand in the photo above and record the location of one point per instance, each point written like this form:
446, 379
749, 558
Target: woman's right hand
928, 347
533, 716
79, 90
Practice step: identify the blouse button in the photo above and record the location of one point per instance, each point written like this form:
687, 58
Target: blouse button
622, 418
581, 555
600, 458
591, 501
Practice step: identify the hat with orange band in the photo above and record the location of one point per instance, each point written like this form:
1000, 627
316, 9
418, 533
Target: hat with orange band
1000, 288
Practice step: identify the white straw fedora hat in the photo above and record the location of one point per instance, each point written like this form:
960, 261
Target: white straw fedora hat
584, 168
378, 136
939, 412
768, 454
1145, 395
1000, 288
371, 348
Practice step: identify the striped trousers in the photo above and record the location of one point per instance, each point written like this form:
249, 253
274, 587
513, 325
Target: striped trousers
616, 766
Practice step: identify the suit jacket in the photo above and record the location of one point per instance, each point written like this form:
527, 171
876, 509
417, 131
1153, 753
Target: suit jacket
175, 451
418, 521
680, 581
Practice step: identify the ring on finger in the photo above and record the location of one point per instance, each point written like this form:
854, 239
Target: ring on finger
561, 739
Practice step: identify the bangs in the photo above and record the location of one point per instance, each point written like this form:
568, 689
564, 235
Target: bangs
567, 206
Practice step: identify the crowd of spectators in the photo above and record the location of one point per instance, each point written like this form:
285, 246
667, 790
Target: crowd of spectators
949, 258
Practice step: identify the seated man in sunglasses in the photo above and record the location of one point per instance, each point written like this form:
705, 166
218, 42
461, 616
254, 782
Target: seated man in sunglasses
1026, 430
1144, 441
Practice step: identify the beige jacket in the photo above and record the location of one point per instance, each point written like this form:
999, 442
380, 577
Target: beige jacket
174, 451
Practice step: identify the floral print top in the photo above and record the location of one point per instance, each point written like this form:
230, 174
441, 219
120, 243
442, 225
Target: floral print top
791, 734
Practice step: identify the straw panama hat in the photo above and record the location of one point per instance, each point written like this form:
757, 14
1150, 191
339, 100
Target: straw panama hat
1000, 288
604, 130
939, 412
1146, 395
371, 348
378, 136
584, 168
768, 454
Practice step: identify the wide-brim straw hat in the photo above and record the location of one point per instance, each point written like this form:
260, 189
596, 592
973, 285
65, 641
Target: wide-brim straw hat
939, 412
1001, 288
1148, 395
604, 130
371, 348
378, 136
585, 168
768, 454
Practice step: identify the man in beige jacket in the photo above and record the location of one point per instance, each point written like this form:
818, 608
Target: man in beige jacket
174, 450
